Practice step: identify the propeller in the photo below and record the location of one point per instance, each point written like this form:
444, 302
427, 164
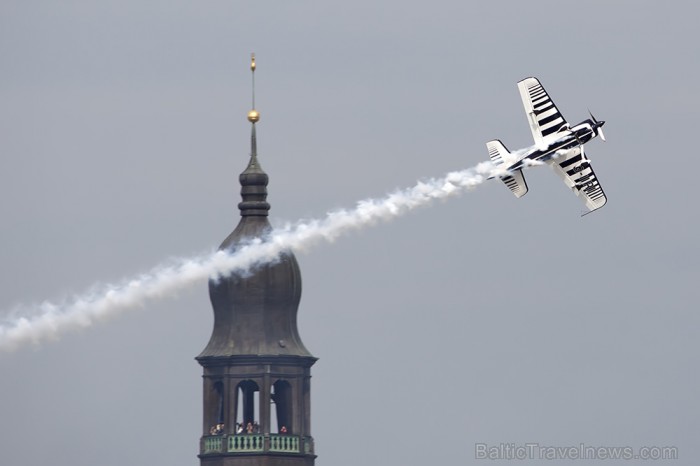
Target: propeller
599, 126
601, 134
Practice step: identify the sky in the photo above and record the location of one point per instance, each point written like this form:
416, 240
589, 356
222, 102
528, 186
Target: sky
480, 319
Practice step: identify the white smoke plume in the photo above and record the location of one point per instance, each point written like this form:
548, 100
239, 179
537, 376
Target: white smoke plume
53, 319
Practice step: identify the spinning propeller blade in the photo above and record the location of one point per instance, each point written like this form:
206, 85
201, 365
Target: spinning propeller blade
599, 126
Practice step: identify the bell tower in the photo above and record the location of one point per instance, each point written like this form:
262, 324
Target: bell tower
257, 372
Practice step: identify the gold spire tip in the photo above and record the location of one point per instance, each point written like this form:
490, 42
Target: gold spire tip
253, 115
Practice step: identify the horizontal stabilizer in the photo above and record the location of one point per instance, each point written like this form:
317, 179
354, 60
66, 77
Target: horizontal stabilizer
516, 183
498, 152
499, 156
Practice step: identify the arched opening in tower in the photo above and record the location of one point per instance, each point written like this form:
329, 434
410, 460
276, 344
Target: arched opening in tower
247, 412
282, 397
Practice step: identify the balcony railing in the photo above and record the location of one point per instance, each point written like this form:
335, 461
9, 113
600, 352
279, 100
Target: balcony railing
245, 443
212, 444
285, 443
256, 443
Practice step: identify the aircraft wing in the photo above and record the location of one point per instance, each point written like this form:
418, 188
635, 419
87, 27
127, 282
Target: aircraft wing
544, 117
576, 171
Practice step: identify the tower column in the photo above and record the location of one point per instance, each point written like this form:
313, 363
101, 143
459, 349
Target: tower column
306, 404
248, 405
231, 405
265, 400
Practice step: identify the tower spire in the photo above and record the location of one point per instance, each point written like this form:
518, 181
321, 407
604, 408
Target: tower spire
253, 117
253, 179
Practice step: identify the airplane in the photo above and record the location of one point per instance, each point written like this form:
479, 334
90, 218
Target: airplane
556, 143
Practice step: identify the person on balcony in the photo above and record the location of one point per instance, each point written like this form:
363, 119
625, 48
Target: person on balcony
283, 430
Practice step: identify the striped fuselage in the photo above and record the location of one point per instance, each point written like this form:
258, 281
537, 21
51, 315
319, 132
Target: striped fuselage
569, 138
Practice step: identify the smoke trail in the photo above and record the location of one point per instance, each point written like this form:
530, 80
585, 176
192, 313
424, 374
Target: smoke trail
82, 311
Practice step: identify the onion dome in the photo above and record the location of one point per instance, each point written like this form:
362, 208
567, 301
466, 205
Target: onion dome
255, 314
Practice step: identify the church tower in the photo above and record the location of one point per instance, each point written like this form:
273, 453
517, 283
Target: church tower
257, 372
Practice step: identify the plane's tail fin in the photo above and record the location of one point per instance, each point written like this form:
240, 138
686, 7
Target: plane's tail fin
500, 155
516, 183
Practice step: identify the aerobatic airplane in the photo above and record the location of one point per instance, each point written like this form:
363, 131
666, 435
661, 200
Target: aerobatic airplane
556, 143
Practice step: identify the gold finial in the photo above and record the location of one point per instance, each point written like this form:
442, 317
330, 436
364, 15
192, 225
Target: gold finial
253, 115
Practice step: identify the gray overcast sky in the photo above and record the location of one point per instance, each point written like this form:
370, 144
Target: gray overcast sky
480, 319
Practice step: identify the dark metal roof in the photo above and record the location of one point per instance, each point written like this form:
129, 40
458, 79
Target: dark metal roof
256, 314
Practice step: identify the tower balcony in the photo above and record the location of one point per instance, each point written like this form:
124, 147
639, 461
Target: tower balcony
256, 444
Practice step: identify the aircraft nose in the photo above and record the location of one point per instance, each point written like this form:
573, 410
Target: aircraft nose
601, 123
